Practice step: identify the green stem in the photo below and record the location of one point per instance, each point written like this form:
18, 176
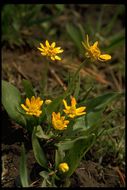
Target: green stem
75, 76
44, 79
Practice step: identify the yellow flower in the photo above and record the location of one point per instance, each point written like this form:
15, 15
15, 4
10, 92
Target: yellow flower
48, 101
63, 167
59, 122
72, 111
50, 50
33, 106
94, 52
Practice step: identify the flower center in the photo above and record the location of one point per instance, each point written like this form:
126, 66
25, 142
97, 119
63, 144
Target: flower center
95, 52
50, 51
72, 110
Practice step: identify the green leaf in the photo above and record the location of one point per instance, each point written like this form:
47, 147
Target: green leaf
72, 151
28, 88
40, 133
71, 85
120, 9
75, 154
11, 100
38, 151
76, 36
98, 103
77, 88
46, 179
60, 7
23, 168
59, 156
80, 123
93, 118
115, 41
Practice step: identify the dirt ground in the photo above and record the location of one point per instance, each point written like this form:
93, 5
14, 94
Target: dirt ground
16, 66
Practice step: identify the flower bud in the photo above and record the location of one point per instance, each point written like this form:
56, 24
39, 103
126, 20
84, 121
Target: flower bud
63, 167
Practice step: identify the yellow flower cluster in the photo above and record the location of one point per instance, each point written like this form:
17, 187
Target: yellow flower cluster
59, 122
33, 106
50, 50
72, 111
94, 52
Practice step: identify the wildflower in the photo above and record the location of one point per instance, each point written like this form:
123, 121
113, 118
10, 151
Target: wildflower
48, 101
58, 121
33, 106
72, 111
63, 167
50, 50
94, 52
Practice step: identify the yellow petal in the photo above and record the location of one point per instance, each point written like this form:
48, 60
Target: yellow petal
81, 109
53, 44
40, 49
66, 111
57, 48
59, 51
47, 43
24, 107
43, 53
52, 58
32, 99
87, 41
58, 115
85, 46
66, 121
72, 115
78, 114
95, 44
57, 57
73, 101
27, 102
38, 99
40, 103
65, 104
42, 46
105, 57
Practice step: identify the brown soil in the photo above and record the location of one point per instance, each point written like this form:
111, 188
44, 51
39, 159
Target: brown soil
17, 65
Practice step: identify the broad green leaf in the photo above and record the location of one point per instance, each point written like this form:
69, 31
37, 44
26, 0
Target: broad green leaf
75, 154
59, 155
40, 133
80, 123
11, 100
23, 169
98, 103
93, 118
38, 150
28, 88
